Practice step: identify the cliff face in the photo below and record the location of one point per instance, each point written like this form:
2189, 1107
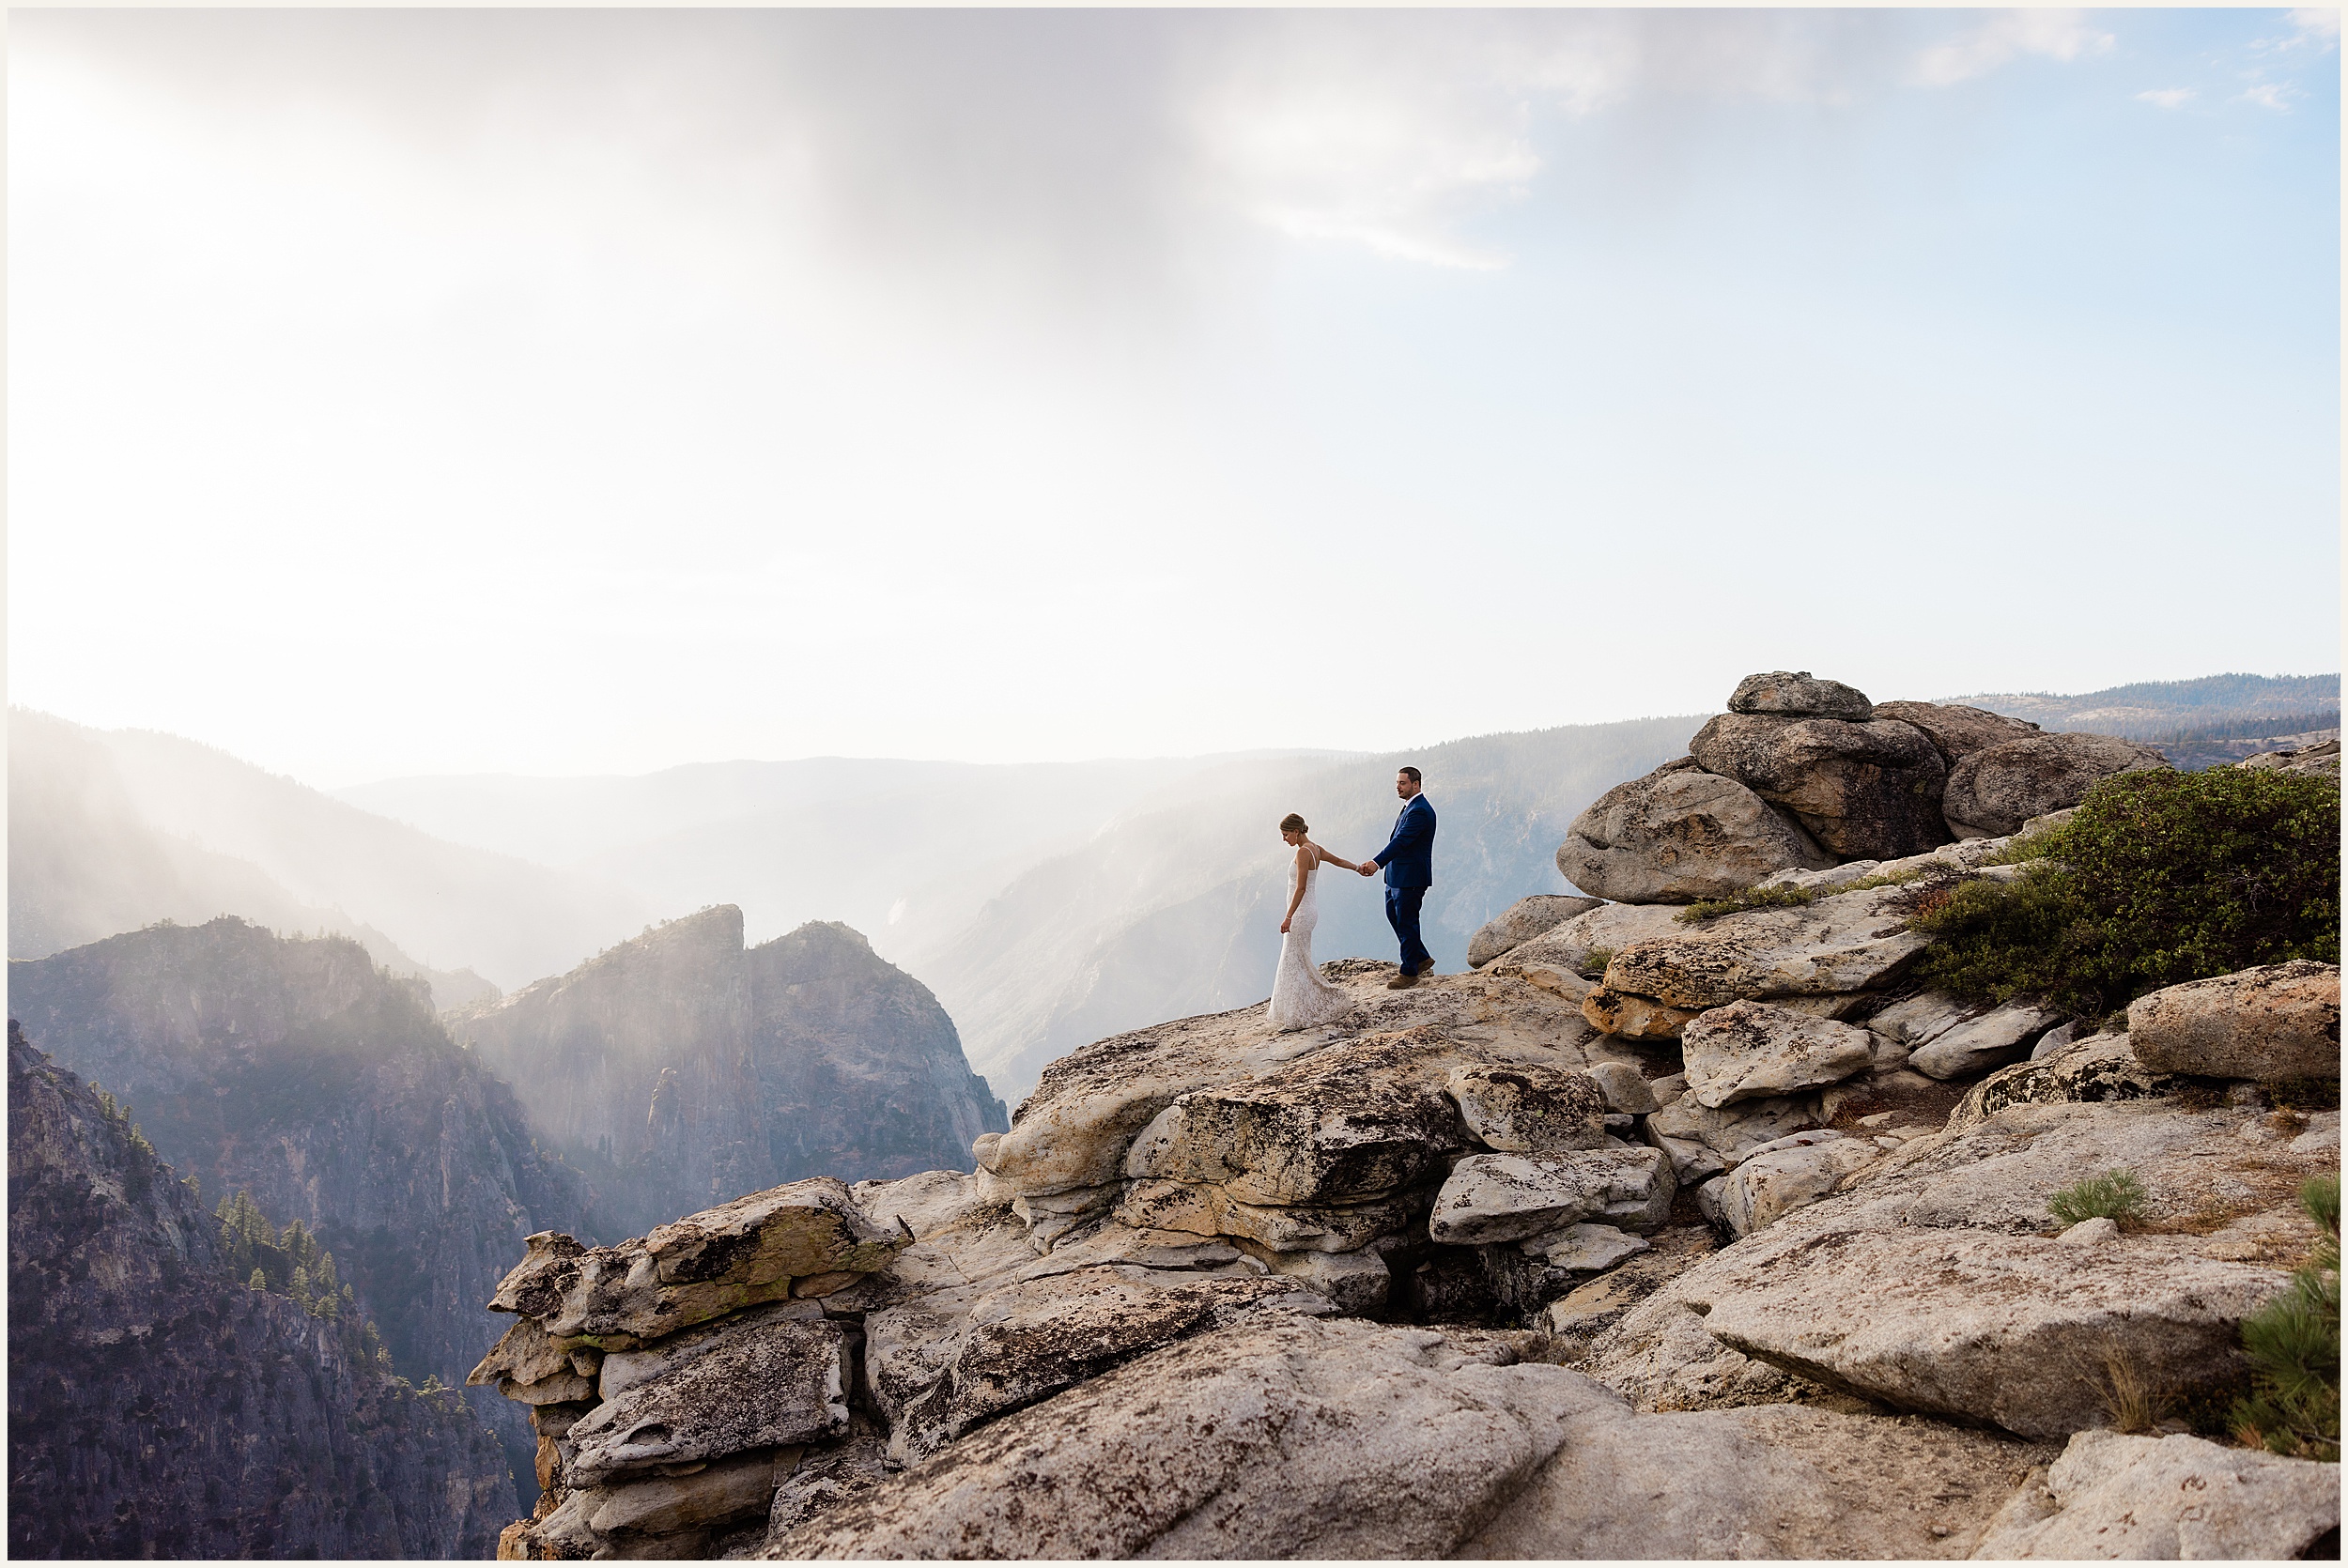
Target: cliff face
298, 1072
683, 1070
157, 1407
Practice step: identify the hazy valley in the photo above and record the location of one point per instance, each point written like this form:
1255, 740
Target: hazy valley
1045, 905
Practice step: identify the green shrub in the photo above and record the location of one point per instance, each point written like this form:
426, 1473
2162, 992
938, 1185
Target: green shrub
2294, 1345
1750, 898
1997, 940
2113, 1196
1594, 962
2159, 878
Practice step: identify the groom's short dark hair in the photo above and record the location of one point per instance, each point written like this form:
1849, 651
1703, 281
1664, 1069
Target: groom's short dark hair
1411, 774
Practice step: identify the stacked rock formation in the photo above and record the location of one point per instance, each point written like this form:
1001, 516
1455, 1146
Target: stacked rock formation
1805, 774
670, 1379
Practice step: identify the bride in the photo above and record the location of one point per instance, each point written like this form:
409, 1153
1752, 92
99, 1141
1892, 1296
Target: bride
1300, 997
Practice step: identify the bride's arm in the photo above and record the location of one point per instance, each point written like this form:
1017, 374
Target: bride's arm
1323, 855
1304, 863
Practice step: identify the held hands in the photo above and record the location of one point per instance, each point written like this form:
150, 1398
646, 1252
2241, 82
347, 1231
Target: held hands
1367, 868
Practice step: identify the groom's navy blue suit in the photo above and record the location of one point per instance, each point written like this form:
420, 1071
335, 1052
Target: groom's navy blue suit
1408, 858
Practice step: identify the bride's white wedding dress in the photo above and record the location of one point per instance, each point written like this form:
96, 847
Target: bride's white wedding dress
1300, 997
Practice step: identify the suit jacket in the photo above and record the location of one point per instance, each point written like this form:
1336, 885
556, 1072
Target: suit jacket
1409, 857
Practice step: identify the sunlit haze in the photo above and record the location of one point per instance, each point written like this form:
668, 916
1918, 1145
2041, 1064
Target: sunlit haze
565, 391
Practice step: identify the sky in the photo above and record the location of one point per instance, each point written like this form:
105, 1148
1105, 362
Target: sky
593, 391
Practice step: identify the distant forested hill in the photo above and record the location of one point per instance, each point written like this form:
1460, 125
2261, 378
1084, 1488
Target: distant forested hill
2195, 724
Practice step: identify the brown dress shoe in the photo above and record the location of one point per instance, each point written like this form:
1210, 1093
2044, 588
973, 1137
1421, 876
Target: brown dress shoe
1403, 981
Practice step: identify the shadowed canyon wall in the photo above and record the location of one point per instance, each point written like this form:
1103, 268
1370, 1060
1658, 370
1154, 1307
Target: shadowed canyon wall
297, 1070
158, 1407
682, 1069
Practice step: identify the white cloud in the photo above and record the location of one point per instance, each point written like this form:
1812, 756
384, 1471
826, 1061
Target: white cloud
1396, 132
2272, 95
2316, 26
1365, 160
2166, 98
2005, 35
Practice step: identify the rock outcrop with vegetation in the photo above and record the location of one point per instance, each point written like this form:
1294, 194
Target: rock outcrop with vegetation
158, 1406
1670, 1231
297, 1073
680, 1069
1804, 774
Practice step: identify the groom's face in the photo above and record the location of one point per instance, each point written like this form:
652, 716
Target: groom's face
1405, 786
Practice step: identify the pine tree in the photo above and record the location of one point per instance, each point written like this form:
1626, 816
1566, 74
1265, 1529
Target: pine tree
241, 1218
2294, 1346
258, 1280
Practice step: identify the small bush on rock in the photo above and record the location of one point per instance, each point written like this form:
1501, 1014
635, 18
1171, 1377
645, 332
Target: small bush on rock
1750, 898
2160, 878
2293, 1343
2113, 1196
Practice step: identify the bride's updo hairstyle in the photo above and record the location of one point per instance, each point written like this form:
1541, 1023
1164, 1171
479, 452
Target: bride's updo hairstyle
1294, 823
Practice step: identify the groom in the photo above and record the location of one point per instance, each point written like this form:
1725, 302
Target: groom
1408, 858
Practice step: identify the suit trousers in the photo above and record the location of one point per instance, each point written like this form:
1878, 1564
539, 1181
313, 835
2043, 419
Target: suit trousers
1402, 915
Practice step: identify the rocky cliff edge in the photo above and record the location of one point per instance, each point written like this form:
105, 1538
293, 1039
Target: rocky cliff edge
1643, 1240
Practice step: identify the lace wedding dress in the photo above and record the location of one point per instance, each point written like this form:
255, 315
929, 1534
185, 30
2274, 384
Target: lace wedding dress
1300, 997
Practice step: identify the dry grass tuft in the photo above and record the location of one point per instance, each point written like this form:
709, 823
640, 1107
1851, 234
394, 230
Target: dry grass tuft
2136, 1401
